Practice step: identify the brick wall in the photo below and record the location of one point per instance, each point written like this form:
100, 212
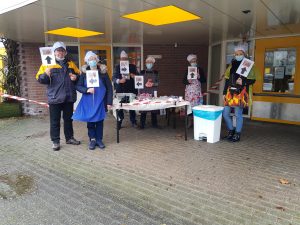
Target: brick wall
173, 65
30, 62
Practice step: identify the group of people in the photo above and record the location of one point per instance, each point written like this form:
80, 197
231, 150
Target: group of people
124, 84
64, 79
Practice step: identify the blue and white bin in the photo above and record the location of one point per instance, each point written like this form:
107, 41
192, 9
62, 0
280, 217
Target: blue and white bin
207, 122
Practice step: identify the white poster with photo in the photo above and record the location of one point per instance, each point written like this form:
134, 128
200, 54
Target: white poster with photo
124, 67
47, 56
245, 67
192, 73
139, 82
92, 78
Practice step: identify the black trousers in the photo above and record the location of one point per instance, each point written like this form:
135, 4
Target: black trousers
55, 116
153, 119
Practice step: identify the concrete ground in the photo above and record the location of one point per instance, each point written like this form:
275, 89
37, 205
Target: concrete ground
151, 177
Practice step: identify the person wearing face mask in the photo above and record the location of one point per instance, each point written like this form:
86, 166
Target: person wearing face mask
193, 92
151, 81
60, 80
125, 85
94, 101
237, 85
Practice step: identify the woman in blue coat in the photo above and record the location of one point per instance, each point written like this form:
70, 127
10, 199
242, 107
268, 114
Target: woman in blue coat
94, 102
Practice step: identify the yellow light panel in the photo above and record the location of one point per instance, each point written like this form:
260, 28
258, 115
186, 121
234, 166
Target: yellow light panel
161, 16
73, 32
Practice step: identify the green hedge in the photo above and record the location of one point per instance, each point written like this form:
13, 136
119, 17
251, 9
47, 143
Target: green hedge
10, 109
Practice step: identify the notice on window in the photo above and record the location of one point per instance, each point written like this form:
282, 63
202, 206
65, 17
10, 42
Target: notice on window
279, 72
47, 56
192, 72
139, 82
124, 67
92, 78
245, 67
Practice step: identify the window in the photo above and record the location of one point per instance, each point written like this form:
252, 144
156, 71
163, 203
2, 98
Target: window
279, 70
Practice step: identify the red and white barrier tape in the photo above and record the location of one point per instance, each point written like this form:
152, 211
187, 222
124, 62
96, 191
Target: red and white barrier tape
214, 87
24, 99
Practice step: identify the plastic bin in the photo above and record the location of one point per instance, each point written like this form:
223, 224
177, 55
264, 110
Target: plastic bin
207, 122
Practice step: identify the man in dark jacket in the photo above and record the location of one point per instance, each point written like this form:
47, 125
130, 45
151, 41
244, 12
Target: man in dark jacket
124, 84
60, 80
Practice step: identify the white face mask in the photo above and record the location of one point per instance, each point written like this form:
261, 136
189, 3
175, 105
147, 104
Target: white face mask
59, 59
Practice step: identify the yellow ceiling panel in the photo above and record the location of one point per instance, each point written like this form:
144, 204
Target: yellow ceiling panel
162, 16
73, 32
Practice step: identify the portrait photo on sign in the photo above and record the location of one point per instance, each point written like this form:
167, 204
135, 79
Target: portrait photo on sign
92, 78
47, 51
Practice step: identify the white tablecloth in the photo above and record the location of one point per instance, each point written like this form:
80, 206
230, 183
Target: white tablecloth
152, 104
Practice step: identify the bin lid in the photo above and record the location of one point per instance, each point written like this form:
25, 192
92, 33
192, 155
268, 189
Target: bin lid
210, 108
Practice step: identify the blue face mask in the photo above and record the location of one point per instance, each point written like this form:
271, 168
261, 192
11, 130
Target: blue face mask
194, 64
92, 63
239, 58
149, 66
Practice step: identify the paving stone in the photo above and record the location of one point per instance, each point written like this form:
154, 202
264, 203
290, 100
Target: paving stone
152, 177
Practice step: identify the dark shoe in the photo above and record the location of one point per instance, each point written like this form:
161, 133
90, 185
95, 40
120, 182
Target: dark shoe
92, 144
100, 144
56, 146
134, 124
236, 137
72, 141
229, 135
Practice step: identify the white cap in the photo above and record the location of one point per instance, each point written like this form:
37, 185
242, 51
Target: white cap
59, 44
191, 56
90, 54
123, 54
150, 59
241, 47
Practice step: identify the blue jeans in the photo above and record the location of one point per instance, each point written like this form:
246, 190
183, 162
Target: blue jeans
95, 130
238, 111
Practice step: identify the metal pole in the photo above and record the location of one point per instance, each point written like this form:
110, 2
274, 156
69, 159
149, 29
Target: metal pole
117, 127
186, 122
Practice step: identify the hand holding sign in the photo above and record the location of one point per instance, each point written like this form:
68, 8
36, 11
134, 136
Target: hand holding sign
48, 71
91, 90
239, 81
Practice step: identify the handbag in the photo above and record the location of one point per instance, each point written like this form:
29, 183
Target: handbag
237, 97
